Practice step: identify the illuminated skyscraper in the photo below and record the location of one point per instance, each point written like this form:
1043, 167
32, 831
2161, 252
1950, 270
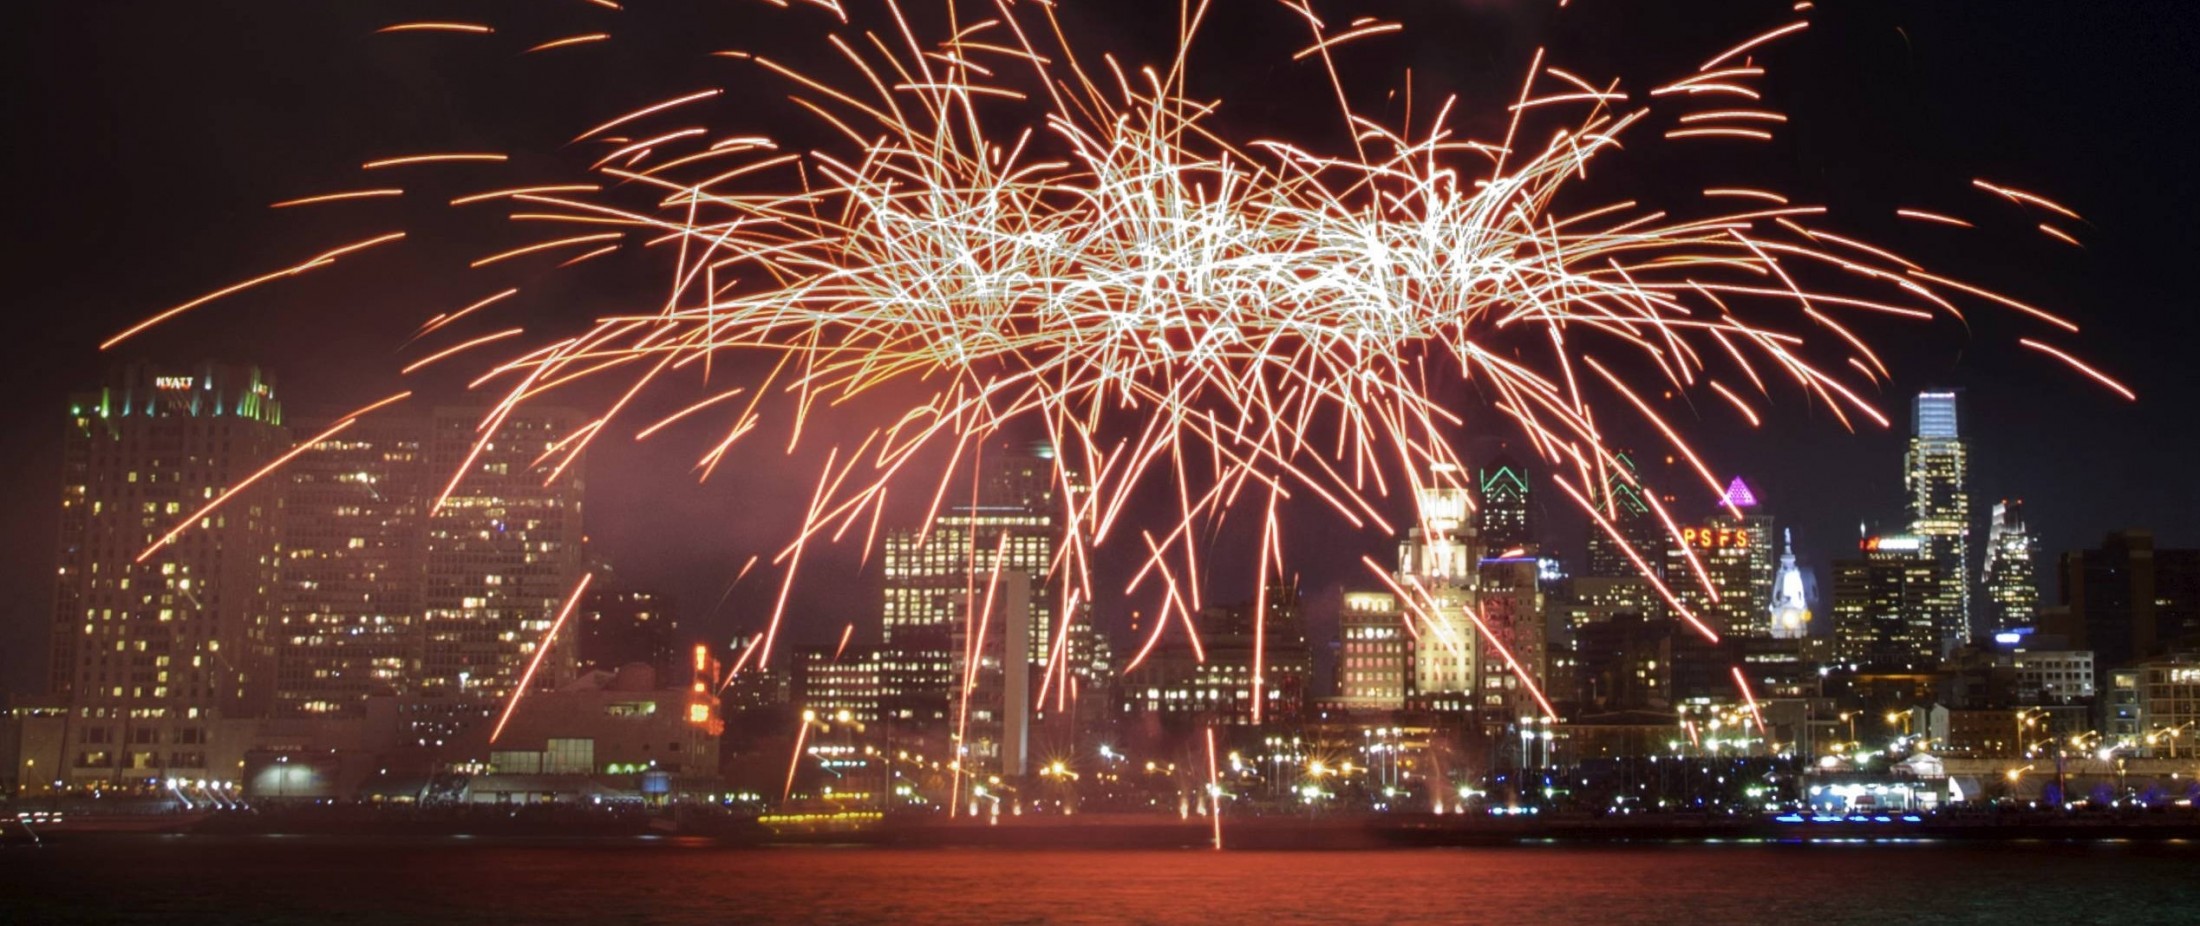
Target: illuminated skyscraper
354, 532
152, 654
1215, 685
1375, 658
1735, 556
1885, 603
1436, 564
932, 578
502, 554
1764, 557
1501, 520
1509, 598
1936, 475
2010, 574
1622, 499
1724, 551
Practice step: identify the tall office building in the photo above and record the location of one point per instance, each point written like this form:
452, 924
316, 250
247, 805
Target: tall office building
353, 539
1436, 565
1885, 604
1936, 477
1375, 655
1509, 597
1017, 518
1624, 500
1735, 559
1764, 555
153, 646
2010, 575
1502, 520
502, 554
2128, 600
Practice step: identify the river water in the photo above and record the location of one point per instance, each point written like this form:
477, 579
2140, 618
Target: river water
182, 880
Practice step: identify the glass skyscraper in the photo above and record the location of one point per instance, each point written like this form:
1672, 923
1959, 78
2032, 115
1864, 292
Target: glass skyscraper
1936, 477
2011, 571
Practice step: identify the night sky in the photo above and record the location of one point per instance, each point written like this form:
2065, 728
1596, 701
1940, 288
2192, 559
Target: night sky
149, 137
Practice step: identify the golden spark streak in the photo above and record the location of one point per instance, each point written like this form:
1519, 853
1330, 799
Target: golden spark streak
472, 28
316, 262
2082, 367
335, 197
457, 348
568, 41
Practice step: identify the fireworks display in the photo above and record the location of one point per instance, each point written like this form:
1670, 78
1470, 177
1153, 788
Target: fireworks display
1012, 231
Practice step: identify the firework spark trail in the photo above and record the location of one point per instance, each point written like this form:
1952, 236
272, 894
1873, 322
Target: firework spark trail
795, 761
1214, 788
1112, 263
846, 633
1750, 697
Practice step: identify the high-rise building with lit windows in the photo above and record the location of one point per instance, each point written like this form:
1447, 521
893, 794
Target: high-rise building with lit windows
1885, 603
1936, 477
1613, 583
501, 554
1215, 683
932, 576
1436, 568
2010, 574
1501, 517
1723, 568
1623, 501
2128, 599
352, 579
1508, 596
1375, 654
155, 642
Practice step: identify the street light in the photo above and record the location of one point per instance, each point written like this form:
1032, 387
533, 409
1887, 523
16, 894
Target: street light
2171, 734
2027, 719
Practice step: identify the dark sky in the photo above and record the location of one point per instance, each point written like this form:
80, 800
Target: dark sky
149, 136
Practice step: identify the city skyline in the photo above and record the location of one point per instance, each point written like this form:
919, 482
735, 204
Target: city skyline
364, 593
696, 460
413, 467
1818, 546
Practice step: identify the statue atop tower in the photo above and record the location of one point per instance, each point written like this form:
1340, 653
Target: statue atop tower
1790, 613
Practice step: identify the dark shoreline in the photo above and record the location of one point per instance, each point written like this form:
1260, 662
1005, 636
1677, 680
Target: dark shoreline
1130, 832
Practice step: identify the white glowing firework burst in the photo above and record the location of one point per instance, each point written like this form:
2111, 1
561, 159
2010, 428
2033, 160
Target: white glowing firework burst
1239, 321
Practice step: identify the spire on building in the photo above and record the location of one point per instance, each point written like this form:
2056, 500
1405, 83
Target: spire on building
1790, 612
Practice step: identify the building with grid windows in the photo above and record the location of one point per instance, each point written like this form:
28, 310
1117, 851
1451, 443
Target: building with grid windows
1936, 477
159, 635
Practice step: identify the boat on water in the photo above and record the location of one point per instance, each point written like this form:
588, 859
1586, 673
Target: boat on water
35, 826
